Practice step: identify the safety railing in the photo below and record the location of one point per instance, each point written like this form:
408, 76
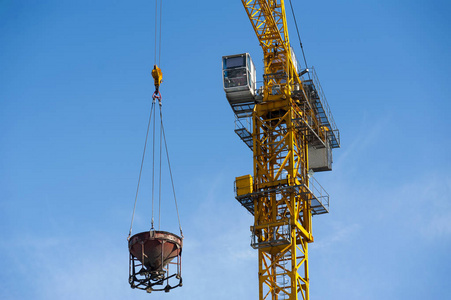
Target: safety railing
243, 128
271, 235
320, 198
325, 107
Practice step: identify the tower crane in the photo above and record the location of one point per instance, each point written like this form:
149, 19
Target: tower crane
291, 133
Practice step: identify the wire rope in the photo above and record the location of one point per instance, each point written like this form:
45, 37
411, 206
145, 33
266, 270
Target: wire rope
153, 166
161, 14
157, 57
159, 194
299, 37
156, 30
170, 172
141, 168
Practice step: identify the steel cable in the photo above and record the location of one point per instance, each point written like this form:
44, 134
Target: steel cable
159, 53
299, 37
141, 168
170, 171
158, 34
159, 194
156, 30
153, 166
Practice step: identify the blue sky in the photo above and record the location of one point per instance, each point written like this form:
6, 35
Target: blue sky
75, 93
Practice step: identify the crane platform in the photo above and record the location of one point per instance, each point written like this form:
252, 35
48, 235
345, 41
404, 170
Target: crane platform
312, 98
319, 198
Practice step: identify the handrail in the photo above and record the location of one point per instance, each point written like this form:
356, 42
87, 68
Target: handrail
330, 122
319, 192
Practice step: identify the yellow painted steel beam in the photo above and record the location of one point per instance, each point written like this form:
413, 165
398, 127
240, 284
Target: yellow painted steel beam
280, 151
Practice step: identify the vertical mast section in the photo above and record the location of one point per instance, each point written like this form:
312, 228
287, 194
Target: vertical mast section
282, 215
292, 132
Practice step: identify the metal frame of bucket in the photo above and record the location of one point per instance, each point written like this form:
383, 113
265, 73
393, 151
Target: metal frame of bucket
151, 254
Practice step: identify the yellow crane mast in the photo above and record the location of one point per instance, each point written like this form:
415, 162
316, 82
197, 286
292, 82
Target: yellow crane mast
292, 133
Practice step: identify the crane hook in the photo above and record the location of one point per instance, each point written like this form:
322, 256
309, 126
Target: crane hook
158, 79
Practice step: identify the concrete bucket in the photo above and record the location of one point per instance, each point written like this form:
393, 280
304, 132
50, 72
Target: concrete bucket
151, 254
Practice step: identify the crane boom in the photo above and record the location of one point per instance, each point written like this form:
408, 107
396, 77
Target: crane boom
292, 135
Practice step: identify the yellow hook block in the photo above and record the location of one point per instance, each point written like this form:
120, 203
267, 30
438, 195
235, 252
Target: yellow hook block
157, 76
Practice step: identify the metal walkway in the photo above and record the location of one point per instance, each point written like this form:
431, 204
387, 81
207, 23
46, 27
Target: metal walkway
317, 195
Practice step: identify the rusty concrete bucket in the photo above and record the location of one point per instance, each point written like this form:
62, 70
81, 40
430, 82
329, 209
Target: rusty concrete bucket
151, 254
